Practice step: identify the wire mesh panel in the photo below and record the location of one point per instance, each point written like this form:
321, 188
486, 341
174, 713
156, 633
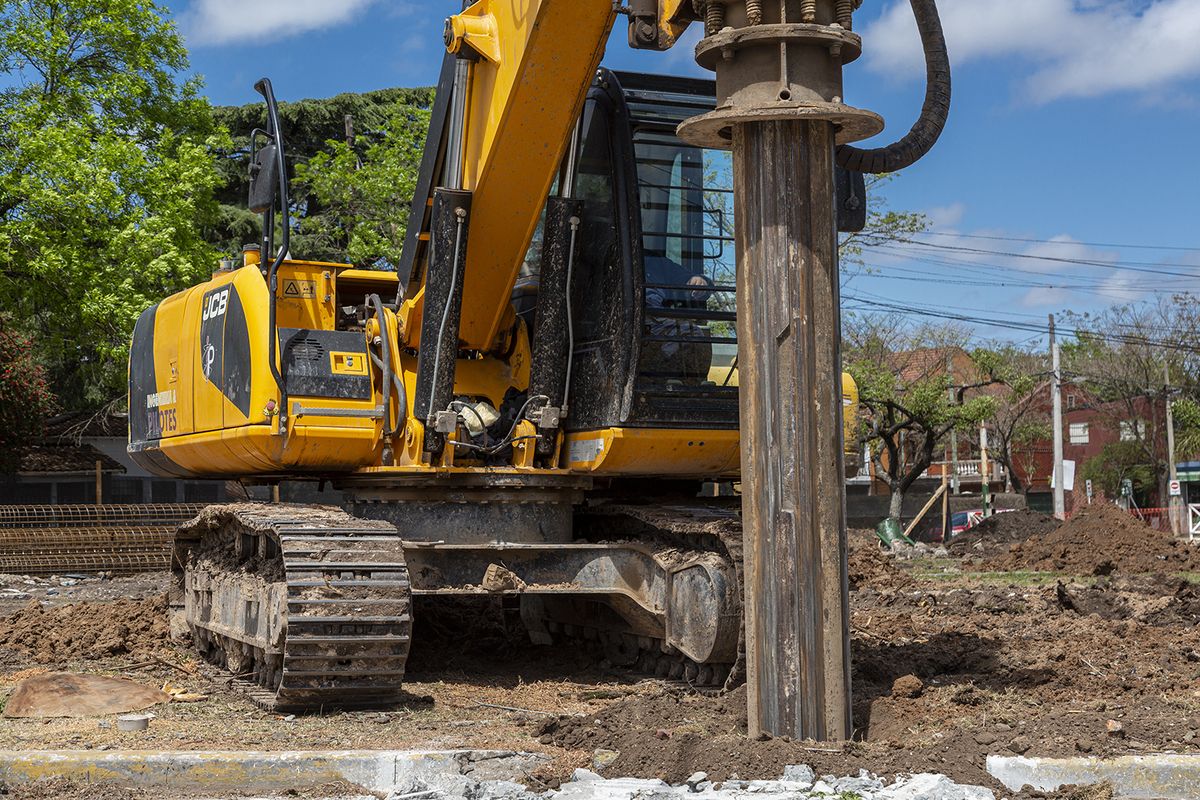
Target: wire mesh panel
119, 539
91, 515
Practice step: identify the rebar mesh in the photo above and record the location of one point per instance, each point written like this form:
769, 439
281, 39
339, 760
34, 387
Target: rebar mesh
62, 539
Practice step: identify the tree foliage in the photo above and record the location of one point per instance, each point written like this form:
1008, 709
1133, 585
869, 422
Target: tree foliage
25, 397
1123, 357
911, 402
354, 160
1020, 423
1117, 462
106, 180
885, 226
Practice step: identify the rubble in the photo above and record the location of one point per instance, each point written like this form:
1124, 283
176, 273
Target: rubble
796, 783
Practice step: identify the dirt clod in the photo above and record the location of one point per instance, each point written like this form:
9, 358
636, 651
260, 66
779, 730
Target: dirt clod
870, 567
909, 686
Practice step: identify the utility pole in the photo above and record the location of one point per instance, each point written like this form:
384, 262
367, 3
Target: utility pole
1174, 502
953, 433
1060, 503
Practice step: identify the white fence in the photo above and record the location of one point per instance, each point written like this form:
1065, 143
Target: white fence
1194, 521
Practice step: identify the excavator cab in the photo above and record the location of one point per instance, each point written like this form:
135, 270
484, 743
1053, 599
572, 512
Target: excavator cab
653, 292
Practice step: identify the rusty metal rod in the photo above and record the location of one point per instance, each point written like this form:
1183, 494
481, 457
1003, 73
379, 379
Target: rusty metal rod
793, 496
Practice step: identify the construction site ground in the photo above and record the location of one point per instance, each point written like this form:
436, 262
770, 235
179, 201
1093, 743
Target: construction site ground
957, 655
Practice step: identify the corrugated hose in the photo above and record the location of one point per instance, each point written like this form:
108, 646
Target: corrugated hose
934, 113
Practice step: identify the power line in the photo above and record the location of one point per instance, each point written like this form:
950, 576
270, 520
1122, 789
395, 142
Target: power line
1173, 248
863, 294
1148, 267
1022, 326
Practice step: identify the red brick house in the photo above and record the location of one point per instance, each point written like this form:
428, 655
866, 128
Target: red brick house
1088, 426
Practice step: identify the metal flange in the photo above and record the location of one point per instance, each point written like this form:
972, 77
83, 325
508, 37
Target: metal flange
715, 129
780, 71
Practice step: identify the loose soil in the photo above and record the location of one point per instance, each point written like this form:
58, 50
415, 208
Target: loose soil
869, 566
996, 534
1100, 540
58, 635
946, 672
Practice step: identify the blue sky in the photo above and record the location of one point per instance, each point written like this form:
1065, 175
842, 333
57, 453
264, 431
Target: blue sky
1068, 139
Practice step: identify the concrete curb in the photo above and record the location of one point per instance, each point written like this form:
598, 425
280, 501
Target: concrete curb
257, 771
1158, 777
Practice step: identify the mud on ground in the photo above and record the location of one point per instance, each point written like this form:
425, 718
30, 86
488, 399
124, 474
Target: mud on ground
945, 673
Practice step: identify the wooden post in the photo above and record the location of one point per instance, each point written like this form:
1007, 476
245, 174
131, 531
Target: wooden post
925, 509
945, 508
99, 482
793, 488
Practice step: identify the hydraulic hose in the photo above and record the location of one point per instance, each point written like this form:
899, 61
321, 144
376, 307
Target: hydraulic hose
934, 113
389, 377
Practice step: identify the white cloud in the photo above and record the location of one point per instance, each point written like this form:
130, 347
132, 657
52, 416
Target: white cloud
216, 22
1073, 48
1053, 255
945, 217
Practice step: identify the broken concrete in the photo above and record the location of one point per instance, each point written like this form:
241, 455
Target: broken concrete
1156, 777
227, 771
798, 783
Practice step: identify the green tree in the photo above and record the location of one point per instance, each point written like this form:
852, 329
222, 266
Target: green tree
354, 160
365, 201
1020, 418
106, 180
25, 397
910, 403
1118, 461
1123, 356
1187, 428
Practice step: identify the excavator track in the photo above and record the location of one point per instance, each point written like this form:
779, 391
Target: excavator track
709, 527
308, 607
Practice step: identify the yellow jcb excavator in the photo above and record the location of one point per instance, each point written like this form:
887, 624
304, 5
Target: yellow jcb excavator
530, 404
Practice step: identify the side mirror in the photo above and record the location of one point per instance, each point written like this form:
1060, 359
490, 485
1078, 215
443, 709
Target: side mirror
851, 197
264, 179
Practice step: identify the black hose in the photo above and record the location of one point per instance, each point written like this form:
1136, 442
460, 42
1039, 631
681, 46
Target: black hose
401, 392
385, 338
934, 113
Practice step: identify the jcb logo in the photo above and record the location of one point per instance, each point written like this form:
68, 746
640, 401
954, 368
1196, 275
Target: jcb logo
217, 303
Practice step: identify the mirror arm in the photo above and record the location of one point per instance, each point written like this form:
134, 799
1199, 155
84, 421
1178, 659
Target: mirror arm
264, 88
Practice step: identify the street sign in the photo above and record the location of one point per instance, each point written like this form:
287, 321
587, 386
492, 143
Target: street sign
1176, 489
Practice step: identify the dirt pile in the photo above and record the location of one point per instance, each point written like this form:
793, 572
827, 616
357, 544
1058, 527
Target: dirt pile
999, 532
1100, 540
871, 568
944, 678
54, 635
